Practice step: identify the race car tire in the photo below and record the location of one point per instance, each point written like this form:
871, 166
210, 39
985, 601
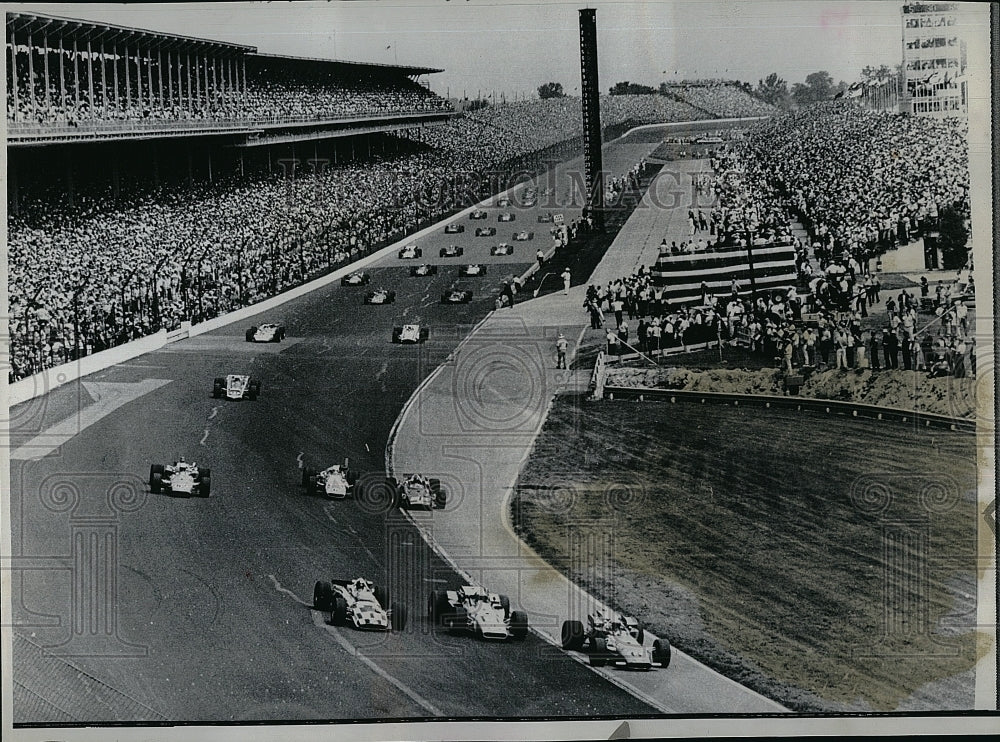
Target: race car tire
572, 635
432, 606
397, 619
397, 333
599, 652
204, 482
381, 596
217, 387
155, 482
279, 335
419, 252
323, 596
518, 625
307, 475
253, 391
661, 652
250, 333
505, 604
338, 614
155, 469
424, 334
392, 298
456, 621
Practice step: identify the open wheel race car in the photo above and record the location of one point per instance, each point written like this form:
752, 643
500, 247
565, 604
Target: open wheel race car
410, 252
235, 386
478, 214
181, 478
358, 603
418, 491
423, 270
410, 334
266, 333
380, 296
614, 639
454, 296
545, 218
523, 236
454, 228
358, 278
486, 231
335, 482
502, 249
473, 269
507, 216
474, 610
452, 251
503, 202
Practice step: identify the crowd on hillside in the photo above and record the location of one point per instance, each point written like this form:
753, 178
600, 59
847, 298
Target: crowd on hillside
826, 319
722, 99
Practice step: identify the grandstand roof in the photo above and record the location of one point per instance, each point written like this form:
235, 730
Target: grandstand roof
39, 24
405, 69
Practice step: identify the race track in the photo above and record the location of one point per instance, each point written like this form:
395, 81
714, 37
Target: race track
166, 608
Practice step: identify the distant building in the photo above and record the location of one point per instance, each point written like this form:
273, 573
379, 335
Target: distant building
934, 61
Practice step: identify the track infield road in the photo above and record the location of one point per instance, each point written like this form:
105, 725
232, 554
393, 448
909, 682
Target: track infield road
199, 609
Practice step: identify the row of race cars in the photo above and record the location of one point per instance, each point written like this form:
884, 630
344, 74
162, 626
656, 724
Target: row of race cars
523, 235
414, 252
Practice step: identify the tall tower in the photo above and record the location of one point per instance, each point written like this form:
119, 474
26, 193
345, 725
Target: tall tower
591, 91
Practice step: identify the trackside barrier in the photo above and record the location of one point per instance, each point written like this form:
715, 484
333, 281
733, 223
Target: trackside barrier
829, 406
598, 377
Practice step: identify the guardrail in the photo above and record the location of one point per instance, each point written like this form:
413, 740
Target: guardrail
802, 404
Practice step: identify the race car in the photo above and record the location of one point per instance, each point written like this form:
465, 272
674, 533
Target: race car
529, 200
418, 491
454, 228
180, 478
474, 610
236, 386
424, 270
545, 218
410, 334
507, 216
502, 249
380, 296
503, 202
358, 603
614, 639
266, 333
454, 296
335, 482
485, 231
473, 269
410, 252
523, 236
358, 278
478, 214
452, 251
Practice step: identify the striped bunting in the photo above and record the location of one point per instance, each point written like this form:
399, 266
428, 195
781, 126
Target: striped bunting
681, 276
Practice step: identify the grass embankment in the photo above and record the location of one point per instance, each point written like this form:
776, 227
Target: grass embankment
827, 563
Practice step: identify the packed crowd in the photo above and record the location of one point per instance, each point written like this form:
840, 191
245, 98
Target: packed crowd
722, 99
825, 319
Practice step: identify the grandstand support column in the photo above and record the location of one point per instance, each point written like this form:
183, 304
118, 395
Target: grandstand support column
215, 75
31, 77
170, 78
243, 64
128, 80
62, 74
149, 76
118, 90
159, 77
45, 67
187, 68
205, 66
76, 75
13, 73
90, 79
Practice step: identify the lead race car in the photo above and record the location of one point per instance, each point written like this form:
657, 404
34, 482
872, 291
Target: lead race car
418, 491
454, 228
335, 482
266, 333
523, 236
502, 249
419, 271
409, 334
478, 214
410, 252
380, 296
507, 216
614, 639
472, 269
180, 478
456, 296
486, 231
235, 386
503, 202
358, 603
472, 609
452, 251
358, 278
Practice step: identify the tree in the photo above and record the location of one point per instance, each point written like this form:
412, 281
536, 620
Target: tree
631, 88
953, 239
551, 90
817, 87
774, 90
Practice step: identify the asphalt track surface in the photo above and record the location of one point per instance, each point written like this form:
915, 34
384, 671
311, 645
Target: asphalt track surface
199, 609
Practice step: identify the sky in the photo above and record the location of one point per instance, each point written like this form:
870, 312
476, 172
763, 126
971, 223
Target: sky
510, 46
